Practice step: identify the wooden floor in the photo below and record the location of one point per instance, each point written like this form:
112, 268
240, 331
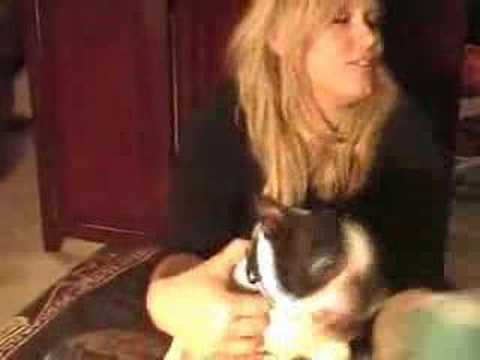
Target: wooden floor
25, 269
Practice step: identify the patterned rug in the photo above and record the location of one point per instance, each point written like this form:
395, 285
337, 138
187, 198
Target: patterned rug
111, 344
105, 292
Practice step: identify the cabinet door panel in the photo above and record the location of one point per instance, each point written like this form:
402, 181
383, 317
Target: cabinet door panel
200, 32
106, 61
111, 79
97, 100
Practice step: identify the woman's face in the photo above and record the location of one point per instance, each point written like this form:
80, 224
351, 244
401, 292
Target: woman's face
342, 58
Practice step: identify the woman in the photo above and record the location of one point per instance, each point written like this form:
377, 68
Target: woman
313, 117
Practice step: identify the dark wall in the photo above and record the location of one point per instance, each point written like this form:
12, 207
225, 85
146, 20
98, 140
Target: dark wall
473, 14
424, 43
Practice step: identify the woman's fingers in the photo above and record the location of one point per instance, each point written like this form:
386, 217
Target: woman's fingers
248, 305
248, 327
223, 263
243, 338
248, 348
259, 356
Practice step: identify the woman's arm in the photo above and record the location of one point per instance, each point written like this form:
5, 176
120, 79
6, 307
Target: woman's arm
175, 264
416, 197
189, 296
208, 201
170, 266
192, 303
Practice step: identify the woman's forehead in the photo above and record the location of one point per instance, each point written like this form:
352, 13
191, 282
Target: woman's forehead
367, 5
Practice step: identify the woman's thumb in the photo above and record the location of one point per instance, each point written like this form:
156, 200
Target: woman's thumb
231, 255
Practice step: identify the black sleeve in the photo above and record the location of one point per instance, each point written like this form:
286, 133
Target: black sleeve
207, 202
417, 190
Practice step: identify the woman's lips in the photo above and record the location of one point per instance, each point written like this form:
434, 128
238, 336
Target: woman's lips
363, 63
363, 66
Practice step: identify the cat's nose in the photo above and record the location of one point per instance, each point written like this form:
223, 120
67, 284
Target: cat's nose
338, 317
343, 325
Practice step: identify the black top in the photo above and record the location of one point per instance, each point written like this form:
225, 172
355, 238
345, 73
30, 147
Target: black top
473, 25
405, 201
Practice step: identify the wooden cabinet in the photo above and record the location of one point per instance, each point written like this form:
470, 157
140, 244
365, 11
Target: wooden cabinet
112, 79
109, 80
199, 32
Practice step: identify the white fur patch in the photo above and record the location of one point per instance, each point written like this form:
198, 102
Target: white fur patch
359, 247
270, 285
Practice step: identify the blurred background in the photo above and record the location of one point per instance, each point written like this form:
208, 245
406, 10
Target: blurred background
91, 94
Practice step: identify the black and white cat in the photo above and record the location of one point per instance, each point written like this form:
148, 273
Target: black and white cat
305, 262
308, 262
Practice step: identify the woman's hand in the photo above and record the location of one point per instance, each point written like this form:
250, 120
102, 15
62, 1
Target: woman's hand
198, 307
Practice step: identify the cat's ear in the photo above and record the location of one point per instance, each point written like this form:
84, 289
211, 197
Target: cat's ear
270, 212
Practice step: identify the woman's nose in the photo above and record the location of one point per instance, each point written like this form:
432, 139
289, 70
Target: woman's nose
368, 35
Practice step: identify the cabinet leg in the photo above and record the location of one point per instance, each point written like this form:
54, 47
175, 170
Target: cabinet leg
52, 240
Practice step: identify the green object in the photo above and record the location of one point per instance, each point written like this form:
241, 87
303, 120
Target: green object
445, 332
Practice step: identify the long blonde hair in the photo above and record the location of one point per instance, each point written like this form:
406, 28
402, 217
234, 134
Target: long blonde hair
277, 103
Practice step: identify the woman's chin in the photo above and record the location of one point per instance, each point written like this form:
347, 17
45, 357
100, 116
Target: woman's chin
355, 97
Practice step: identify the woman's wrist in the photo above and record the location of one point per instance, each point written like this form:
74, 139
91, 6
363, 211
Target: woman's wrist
162, 287
175, 264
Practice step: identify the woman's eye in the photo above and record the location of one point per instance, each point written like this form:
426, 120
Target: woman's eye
341, 18
376, 20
